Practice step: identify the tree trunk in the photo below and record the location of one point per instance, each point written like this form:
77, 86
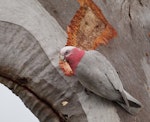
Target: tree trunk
30, 40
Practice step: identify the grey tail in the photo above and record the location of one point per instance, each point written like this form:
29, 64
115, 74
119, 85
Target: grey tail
130, 104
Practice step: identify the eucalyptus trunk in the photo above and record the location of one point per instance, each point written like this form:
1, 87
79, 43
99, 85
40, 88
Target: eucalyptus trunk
33, 31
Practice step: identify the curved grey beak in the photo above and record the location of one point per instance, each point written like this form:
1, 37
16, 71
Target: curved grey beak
62, 57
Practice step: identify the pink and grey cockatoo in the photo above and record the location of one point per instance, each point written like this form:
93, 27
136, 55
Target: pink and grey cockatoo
97, 75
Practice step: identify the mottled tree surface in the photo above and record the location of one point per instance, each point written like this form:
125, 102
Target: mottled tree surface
30, 39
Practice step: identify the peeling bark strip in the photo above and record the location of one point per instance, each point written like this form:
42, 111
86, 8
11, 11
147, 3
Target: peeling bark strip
89, 28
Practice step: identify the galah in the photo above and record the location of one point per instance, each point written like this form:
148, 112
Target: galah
97, 75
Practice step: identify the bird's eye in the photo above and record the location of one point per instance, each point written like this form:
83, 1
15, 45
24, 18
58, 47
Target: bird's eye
67, 52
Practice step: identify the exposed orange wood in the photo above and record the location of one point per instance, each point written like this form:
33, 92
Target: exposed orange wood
65, 68
89, 28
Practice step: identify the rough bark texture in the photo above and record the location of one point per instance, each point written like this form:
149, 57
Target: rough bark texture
26, 65
30, 39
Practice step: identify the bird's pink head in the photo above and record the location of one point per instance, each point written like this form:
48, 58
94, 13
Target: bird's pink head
72, 55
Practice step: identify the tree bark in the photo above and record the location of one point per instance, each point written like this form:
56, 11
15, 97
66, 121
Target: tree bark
30, 40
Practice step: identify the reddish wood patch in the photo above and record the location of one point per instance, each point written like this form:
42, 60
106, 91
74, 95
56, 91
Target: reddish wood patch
89, 28
65, 68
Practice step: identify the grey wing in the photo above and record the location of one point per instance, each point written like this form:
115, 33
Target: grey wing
110, 72
97, 82
97, 74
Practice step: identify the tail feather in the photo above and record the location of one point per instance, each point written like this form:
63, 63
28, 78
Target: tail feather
133, 106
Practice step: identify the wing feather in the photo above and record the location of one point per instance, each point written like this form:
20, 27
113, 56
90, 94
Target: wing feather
97, 74
104, 65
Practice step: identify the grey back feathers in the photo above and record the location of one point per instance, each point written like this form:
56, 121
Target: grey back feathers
97, 74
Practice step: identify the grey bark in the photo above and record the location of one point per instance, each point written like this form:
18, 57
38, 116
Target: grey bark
28, 59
